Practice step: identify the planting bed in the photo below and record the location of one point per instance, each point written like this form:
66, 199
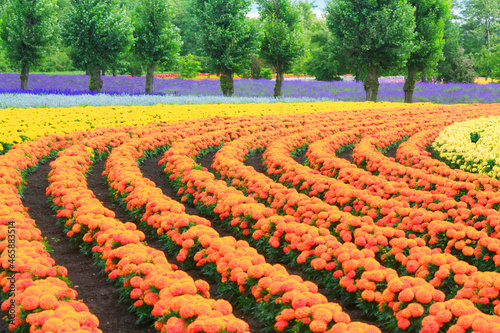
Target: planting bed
336, 221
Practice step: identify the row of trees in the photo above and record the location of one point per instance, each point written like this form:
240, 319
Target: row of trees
367, 38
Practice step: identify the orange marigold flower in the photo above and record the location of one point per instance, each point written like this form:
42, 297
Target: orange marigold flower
187, 311
317, 326
52, 325
174, 325
323, 314
403, 323
416, 309
30, 302
406, 295
443, 316
213, 325
223, 306
423, 296
237, 326
48, 301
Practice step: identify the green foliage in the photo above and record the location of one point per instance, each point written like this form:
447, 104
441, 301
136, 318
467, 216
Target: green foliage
185, 20
455, 67
256, 66
188, 67
376, 32
266, 73
28, 30
307, 16
157, 40
487, 62
58, 61
323, 63
4, 64
430, 16
283, 41
482, 23
98, 31
226, 35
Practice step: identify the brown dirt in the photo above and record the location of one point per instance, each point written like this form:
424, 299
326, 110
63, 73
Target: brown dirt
347, 155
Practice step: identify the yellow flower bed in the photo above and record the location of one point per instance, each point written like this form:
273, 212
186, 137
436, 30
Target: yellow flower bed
472, 145
27, 124
484, 80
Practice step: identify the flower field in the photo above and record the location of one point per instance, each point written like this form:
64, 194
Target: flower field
64, 90
288, 215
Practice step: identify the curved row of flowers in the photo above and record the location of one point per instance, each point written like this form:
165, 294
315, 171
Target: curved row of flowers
414, 153
34, 289
157, 289
170, 158
285, 301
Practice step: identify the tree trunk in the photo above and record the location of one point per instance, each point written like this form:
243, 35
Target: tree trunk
95, 83
150, 72
371, 83
356, 76
227, 83
25, 70
103, 72
278, 88
409, 85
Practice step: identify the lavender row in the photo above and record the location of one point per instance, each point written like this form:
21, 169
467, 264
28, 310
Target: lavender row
451, 93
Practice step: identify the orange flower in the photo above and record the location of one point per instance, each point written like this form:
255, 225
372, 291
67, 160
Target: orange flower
406, 295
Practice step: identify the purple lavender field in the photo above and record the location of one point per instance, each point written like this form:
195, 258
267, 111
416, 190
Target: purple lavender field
451, 93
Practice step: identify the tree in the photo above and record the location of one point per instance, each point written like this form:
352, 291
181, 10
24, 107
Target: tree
227, 36
481, 17
29, 30
455, 67
306, 13
283, 41
377, 35
185, 19
429, 21
157, 40
322, 63
98, 31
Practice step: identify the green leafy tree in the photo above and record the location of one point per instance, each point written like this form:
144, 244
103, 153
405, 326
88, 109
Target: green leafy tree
98, 31
28, 30
482, 22
377, 35
185, 19
430, 16
306, 13
157, 40
455, 67
189, 67
283, 41
227, 37
487, 61
323, 63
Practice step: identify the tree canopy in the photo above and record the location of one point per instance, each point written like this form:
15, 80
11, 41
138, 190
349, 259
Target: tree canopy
430, 16
28, 30
227, 37
374, 34
283, 41
157, 40
98, 31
